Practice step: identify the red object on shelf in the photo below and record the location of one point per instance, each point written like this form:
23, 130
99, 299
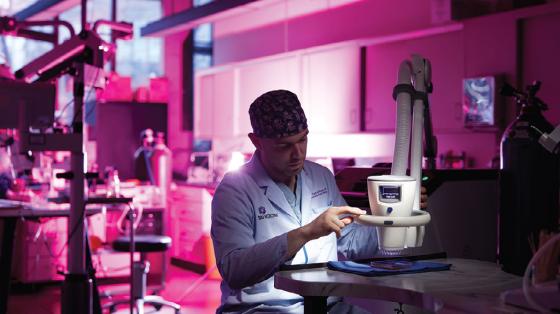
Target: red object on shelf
159, 89
119, 88
142, 94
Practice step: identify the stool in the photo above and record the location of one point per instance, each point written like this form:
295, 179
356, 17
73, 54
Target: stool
142, 244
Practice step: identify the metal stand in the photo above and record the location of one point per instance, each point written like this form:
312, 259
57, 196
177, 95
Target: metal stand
77, 288
96, 301
140, 270
399, 310
138, 276
316, 304
76, 291
6, 262
132, 248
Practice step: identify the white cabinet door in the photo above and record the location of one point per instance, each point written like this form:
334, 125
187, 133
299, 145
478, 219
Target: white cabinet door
214, 105
224, 104
260, 77
204, 106
331, 88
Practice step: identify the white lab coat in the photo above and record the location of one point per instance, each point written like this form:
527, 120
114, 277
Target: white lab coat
250, 221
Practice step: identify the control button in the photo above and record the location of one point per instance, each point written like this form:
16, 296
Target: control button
389, 210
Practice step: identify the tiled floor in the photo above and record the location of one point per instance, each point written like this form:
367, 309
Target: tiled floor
205, 298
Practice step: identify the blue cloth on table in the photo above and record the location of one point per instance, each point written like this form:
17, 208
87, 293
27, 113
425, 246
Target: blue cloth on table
384, 268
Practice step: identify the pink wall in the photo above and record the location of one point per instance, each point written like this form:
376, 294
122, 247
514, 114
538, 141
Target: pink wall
540, 59
445, 51
490, 49
383, 60
179, 141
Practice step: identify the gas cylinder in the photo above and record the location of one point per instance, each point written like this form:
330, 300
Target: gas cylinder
529, 183
161, 159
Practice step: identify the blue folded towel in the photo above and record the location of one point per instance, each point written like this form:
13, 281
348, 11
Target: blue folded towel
389, 267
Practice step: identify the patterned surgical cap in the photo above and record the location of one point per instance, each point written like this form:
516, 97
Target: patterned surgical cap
277, 114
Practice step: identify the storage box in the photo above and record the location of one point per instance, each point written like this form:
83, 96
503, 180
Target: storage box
159, 89
119, 88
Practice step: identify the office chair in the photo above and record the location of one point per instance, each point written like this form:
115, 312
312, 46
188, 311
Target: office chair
142, 244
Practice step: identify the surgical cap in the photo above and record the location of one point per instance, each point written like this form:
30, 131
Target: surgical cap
277, 114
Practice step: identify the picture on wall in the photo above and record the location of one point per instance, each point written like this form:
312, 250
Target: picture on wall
479, 101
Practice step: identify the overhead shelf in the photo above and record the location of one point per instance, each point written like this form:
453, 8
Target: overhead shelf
45, 9
192, 17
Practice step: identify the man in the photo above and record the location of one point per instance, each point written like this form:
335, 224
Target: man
279, 209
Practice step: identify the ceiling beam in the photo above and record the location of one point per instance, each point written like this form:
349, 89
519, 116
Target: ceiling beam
192, 17
45, 9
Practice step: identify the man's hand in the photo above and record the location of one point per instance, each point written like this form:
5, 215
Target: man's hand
329, 221
423, 198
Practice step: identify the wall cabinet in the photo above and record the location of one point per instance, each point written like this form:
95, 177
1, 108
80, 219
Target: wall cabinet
258, 78
327, 81
331, 90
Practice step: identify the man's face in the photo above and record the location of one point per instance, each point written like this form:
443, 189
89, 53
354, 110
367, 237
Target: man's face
283, 157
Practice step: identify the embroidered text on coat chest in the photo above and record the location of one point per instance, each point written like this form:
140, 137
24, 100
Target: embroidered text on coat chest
263, 215
319, 192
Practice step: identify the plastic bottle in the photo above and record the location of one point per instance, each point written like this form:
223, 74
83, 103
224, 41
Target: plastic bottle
161, 159
113, 184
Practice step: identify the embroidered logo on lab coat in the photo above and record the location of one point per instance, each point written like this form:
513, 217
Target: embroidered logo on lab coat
319, 193
263, 215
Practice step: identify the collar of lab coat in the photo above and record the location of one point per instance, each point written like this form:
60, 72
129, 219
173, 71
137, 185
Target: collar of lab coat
271, 190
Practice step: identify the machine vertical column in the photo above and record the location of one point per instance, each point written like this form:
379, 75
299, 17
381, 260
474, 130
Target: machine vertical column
418, 70
76, 241
77, 289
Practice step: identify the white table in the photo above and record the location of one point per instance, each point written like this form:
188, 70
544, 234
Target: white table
470, 286
29, 210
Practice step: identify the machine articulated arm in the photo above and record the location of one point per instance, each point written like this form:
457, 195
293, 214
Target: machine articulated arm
395, 199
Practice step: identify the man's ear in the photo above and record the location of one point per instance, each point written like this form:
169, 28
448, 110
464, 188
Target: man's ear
255, 140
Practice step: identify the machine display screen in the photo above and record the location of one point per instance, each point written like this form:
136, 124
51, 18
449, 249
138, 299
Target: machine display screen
390, 193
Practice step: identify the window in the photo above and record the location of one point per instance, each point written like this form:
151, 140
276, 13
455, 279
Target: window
203, 42
139, 58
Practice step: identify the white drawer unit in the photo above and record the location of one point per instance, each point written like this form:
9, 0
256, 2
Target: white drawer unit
190, 212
